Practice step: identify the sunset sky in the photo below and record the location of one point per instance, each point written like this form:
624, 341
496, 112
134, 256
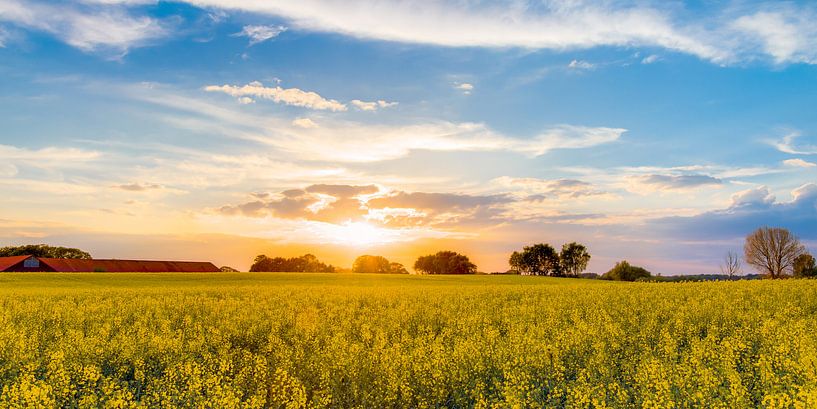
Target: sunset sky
658, 132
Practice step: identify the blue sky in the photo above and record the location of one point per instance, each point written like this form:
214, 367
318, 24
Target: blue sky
658, 132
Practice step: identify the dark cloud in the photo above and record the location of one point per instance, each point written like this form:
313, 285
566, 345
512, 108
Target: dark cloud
340, 203
749, 210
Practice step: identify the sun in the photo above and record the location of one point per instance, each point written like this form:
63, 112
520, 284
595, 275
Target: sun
359, 234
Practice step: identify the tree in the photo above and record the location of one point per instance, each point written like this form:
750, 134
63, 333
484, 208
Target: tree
623, 271
538, 259
227, 269
731, 264
772, 250
804, 266
445, 262
573, 259
307, 263
44, 251
377, 265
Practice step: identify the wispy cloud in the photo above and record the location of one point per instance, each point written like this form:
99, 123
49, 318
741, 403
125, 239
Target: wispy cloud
287, 96
260, 33
650, 183
650, 59
788, 144
799, 163
581, 65
372, 141
89, 28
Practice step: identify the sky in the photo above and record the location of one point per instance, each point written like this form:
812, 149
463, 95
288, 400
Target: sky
660, 132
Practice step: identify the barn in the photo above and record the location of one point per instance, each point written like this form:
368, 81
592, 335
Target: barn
65, 265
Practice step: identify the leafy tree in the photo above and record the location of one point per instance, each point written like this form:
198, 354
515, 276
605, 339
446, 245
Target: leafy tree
573, 259
227, 269
44, 251
307, 263
397, 268
623, 271
772, 250
804, 266
377, 265
445, 262
538, 259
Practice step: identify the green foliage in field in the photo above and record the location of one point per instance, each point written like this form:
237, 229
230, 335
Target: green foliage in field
382, 341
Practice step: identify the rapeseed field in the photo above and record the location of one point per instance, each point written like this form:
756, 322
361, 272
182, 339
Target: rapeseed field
353, 341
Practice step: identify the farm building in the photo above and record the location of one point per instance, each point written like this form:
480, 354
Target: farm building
66, 265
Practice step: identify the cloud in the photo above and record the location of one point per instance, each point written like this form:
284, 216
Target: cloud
787, 144
749, 210
371, 106
552, 188
554, 25
87, 28
339, 204
259, 34
799, 163
581, 65
671, 182
46, 157
139, 187
288, 96
304, 123
4, 35
8, 170
465, 87
650, 59
384, 142
348, 141
786, 33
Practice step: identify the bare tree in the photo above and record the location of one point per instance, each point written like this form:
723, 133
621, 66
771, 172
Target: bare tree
731, 264
772, 250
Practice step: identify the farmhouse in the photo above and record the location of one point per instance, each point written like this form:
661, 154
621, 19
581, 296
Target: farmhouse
65, 265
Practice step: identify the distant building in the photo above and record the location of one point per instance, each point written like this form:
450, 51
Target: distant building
66, 265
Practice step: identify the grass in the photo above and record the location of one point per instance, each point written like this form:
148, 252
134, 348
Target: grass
346, 340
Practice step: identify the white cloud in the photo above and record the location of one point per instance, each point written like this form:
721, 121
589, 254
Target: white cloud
7, 170
304, 123
245, 100
288, 96
581, 65
371, 106
53, 155
787, 144
650, 59
799, 163
554, 25
88, 29
333, 141
785, 33
258, 34
759, 196
465, 87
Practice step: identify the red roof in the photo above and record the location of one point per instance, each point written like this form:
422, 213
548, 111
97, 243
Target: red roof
128, 266
6, 262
